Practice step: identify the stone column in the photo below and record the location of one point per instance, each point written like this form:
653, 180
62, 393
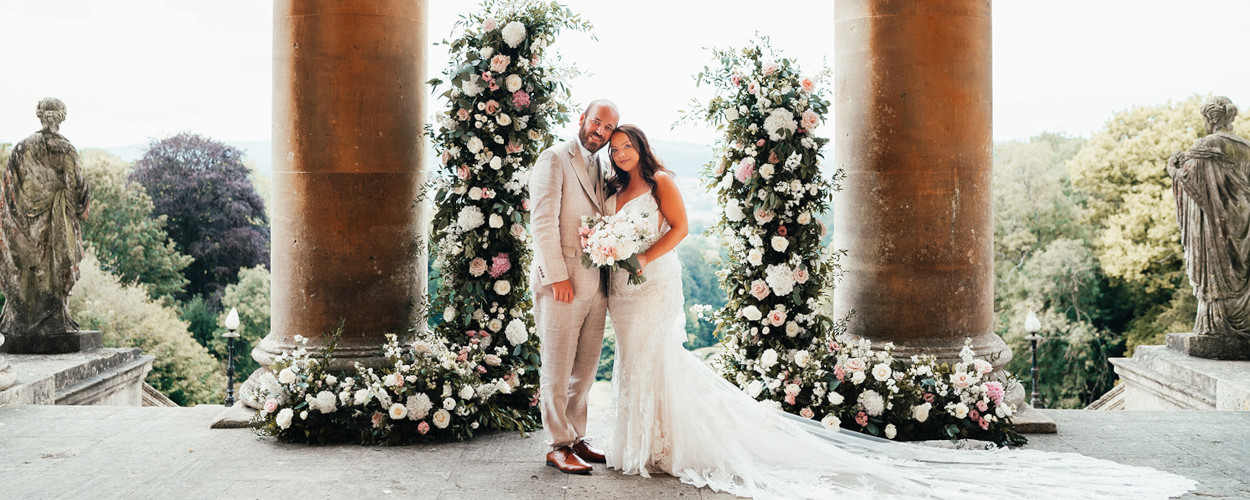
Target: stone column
348, 166
913, 109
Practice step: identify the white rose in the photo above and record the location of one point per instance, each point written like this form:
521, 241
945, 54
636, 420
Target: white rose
441, 419
286, 376
502, 287
731, 114
752, 313
284, 418
474, 145
503, 120
398, 411
780, 244
513, 83
449, 314
494, 324
492, 360
858, 378
466, 392
792, 329
982, 366
881, 372
768, 359
496, 221
961, 410
801, 358
835, 399
755, 257
767, 171
754, 388
831, 423
890, 431
805, 218
486, 52
921, 412
448, 403
961, 380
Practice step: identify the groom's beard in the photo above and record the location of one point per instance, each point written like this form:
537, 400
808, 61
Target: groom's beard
591, 141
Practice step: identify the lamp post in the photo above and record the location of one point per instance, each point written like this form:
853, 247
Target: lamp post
232, 332
1032, 325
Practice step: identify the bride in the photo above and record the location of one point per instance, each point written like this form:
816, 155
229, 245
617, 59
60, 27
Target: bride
673, 414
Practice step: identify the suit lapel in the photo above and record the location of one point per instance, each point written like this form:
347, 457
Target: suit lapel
579, 169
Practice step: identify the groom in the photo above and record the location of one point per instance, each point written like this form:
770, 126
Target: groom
570, 300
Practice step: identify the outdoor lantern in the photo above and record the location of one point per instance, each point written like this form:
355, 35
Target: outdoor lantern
1032, 325
232, 332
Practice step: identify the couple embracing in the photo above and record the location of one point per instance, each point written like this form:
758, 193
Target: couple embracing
672, 414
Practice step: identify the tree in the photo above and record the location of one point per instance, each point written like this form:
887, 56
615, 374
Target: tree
128, 240
183, 369
214, 213
1129, 205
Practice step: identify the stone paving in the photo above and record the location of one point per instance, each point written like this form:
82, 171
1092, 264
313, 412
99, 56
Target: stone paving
134, 453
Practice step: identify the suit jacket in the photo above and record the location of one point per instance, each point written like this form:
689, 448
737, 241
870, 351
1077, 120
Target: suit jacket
561, 193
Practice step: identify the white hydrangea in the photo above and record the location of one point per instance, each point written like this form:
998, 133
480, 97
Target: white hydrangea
780, 278
516, 332
752, 313
513, 33
779, 119
733, 211
872, 402
419, 406
470, 218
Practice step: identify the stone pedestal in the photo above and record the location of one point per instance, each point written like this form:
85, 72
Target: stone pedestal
112, 377
914, 117
79, 341
1210, 346
348, 115
1159, 378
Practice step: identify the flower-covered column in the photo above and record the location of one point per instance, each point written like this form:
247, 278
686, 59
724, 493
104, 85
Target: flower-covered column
348, 106
913, 113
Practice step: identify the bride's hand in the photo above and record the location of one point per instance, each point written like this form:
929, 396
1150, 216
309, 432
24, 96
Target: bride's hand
642, 263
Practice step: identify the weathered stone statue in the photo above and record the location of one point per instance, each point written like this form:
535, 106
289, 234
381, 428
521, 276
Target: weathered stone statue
44, 198
1211, 183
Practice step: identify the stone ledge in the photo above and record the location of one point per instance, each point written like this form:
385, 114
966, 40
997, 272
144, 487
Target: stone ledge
41, 378
1210, 346
1158, 378
68, 342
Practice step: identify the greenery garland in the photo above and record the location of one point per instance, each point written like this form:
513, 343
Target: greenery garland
479, 368
778, 346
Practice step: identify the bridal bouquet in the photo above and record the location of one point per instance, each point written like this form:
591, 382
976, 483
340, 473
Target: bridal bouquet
615, 241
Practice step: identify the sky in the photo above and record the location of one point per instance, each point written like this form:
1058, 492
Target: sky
135, 70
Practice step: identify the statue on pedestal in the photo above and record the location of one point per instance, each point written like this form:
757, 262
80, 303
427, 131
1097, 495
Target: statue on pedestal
1211, 184
42, 199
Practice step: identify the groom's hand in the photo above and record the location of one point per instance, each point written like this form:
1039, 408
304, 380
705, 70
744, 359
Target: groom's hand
563, 290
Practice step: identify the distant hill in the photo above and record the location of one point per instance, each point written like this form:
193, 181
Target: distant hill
257, 152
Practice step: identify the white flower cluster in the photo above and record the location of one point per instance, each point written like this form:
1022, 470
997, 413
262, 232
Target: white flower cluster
613, 238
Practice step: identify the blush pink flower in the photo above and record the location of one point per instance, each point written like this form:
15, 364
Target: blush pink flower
488, 193
995, 391
781, 230
777, 317
760, 143
423, 427
808, 84
462, 114
377, 419
974, 415
271, 406
982, 406
486, 77
746, 168
928, 397
499, 63
800, 275
492, 107
861, 418
463, 172
513, 147
759, 289
985, 424
477, 266
736, 79
499, 265
525, 204
789, 399
807, 412
520, 99
839, 373
810, 120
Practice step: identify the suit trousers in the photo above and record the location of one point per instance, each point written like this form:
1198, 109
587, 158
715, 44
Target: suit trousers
572, 338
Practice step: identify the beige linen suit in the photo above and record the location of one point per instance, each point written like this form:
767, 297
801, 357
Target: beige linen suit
562, 191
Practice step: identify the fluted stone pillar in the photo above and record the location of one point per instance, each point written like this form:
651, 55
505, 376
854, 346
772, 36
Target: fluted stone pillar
348, 165
913, 108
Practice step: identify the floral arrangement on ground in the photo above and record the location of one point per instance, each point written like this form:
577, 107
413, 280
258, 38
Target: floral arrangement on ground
505, 91
777, 345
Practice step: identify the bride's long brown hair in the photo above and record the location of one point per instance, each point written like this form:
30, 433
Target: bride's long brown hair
648, 164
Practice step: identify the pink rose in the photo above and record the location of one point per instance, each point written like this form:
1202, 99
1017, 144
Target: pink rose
736, 79
961, 380
982, 406
983, 367
746, 168
492, 107
807, 412
760, 143
789, 399
985, 424
810, 120
753, 88
493, 86
770, 68
462, 114
423, 427
808, 84
477, 266
488, 193
499, 63
486, 77
777, 317
377, 419
518, 231
481, 369
489, 25
764, 216
995, 391
759, 289
974, 415
463, 172
271, 406
855, 364
781, 230
928, 397
861, 418
800, 275
520, 99
499, 265
513, 147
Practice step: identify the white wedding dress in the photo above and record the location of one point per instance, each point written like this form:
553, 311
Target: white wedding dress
673, 414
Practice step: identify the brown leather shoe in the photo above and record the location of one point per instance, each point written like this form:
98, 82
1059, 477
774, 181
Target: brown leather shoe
587, 453
568, 462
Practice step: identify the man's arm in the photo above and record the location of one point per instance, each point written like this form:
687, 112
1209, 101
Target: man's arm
546, 179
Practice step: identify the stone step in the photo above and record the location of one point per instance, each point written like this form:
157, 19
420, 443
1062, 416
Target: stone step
105, 376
